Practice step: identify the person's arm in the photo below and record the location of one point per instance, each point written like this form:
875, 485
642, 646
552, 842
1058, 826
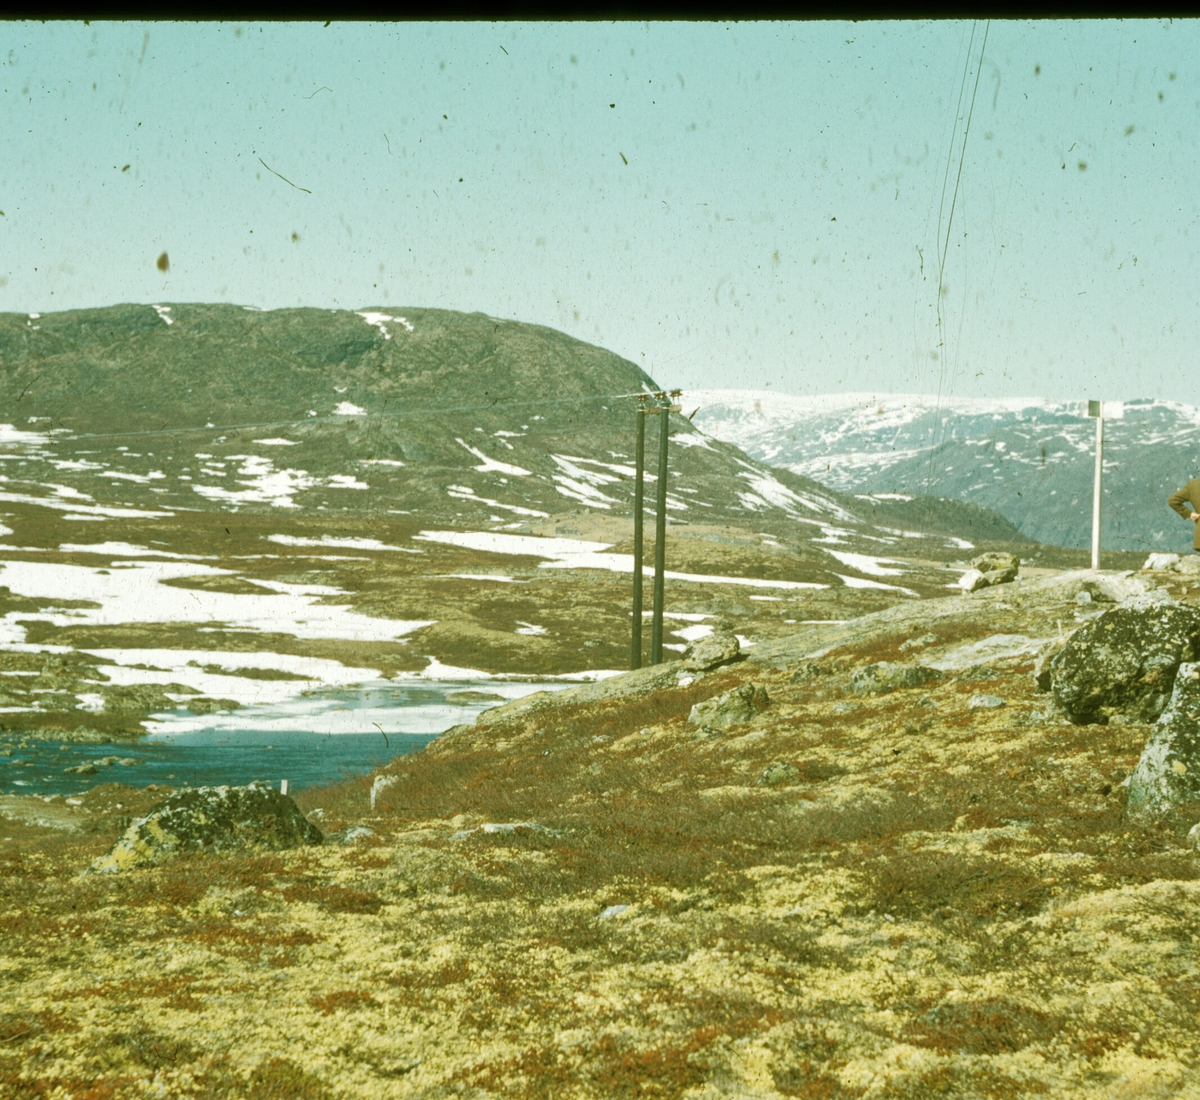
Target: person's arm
1181, 502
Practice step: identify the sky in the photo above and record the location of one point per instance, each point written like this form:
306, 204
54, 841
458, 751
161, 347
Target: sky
977, 209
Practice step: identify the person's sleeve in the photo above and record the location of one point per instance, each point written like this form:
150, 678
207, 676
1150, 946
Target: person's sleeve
1180, 502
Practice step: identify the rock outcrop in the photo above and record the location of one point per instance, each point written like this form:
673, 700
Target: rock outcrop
1168, 773
1175, 563
1124, 661
994, 567
209, 819
878, 679
718, 648
1115, 587
778, 772
731, 707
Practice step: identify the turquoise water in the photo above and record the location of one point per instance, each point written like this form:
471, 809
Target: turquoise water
315, 739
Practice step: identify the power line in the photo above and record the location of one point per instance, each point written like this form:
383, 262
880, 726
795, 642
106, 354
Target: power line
265, 425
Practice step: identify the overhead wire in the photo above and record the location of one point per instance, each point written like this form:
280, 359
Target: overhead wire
398, 414
943, 245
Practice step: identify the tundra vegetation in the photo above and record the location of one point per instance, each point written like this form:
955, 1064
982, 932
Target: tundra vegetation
869, 857
873, 886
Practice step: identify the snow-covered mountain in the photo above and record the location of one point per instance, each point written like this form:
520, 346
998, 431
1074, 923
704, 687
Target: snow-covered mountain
1030, 459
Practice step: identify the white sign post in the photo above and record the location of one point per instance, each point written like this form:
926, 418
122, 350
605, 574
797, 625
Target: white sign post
1112, 410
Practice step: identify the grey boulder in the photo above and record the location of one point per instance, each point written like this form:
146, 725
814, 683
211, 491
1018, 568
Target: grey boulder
731, 707
718, 648
1115, 588
1168, 773
886, 676
994, 567
1124, 661
209, 819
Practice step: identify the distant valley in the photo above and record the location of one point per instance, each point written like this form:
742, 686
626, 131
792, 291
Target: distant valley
1030, 460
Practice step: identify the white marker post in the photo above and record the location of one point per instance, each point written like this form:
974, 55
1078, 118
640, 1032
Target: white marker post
1112, 410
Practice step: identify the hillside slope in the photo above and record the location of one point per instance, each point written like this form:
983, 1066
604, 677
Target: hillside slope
445, 417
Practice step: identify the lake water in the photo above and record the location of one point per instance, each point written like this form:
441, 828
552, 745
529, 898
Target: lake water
311, 740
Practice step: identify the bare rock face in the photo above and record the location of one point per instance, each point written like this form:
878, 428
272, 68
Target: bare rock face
1116, 588
209, 819
730, 708
994, 567
886, 676
718, 648
1124, 661
1168, 773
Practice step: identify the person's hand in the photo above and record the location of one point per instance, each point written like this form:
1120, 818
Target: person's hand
1194, 516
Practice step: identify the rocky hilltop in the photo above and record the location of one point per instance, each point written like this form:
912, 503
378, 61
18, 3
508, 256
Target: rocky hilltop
457, 418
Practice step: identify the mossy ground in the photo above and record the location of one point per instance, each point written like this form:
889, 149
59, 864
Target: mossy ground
941, 902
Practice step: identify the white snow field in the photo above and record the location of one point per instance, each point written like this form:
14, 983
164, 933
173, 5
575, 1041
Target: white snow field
130, 592
565, 553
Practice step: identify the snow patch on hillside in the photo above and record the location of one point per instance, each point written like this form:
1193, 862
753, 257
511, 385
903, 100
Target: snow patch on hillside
327, 541
579, 554
379, 319
491, 465
866, 563
465, 492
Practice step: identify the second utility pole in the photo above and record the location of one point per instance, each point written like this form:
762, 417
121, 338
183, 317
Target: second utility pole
635, 655
660, 535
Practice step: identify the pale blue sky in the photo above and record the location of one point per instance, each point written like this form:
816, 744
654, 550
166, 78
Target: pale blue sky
741, 205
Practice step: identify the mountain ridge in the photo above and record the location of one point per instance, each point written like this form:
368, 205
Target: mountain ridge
464, 419
1030, 459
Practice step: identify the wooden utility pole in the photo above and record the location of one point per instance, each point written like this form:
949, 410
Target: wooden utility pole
660, 537
664, 407
639, 452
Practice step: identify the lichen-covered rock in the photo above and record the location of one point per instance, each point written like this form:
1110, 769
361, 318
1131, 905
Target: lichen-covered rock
209, 819
1168, 773
985, 702
779, 772
718, 648
994, 567
731, 707
878, 679
998, 566
1124, 661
